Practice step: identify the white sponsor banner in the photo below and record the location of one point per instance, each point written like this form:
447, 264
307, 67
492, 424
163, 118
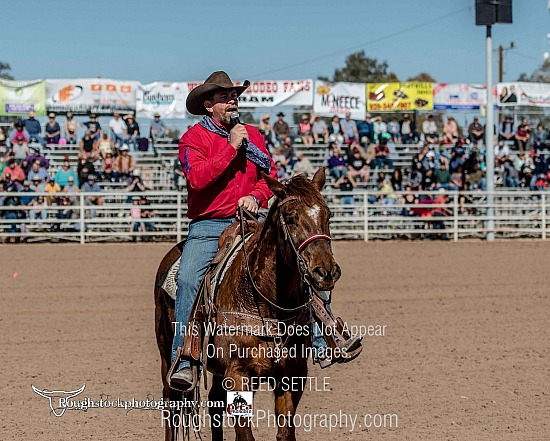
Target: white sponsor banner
459, 96
166, 99
507, 94
524, 94
273, 93
83, 95
338, 98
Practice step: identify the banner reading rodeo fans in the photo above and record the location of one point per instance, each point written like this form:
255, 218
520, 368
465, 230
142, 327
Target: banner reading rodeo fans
166, 99
459, 96
22, 97
97, 95
338, 98
399, 96
273, 93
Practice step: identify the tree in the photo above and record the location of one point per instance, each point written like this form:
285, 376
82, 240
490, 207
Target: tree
540, 75
423, 77
361, 69
5, 69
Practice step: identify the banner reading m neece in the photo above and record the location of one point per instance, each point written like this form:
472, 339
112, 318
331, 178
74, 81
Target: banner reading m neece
399, 96
21, 97
338, 98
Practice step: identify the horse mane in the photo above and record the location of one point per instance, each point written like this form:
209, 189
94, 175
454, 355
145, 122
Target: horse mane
301, 186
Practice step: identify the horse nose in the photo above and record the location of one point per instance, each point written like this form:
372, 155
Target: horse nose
322, 275
336, 272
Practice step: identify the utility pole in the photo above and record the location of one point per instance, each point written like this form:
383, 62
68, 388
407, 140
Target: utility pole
488, 13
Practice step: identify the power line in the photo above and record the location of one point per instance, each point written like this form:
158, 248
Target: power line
376, 40
529, 57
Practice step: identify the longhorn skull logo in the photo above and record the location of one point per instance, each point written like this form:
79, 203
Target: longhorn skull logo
59, 395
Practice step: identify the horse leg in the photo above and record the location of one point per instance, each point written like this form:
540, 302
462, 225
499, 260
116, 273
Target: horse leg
217, 393
286, 403
243, 425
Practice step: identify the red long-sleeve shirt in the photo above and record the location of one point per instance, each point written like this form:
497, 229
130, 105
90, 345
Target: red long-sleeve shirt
218, 175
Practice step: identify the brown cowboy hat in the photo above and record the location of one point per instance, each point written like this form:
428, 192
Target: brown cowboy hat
217, 80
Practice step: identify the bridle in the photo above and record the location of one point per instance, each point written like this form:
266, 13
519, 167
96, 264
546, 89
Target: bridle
301, 263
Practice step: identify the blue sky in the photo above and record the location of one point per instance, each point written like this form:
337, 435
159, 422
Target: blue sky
177, 40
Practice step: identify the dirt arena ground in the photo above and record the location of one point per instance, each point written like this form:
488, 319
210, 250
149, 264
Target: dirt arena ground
465, 355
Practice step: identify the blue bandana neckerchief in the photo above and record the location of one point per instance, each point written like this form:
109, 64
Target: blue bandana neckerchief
252, 152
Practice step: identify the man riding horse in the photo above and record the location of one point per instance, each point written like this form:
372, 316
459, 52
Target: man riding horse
222, 160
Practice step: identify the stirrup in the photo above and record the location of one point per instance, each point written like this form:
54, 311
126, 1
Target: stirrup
194, 368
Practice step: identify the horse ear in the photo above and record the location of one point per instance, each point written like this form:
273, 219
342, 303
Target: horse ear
275, 186
319, 179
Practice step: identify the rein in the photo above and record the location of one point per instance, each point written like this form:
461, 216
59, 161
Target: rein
301, 263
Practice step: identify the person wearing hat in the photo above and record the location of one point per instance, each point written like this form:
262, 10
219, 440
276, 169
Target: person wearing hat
476, 131
93, 126
16, 172
132, 130
64, 175
124, 164
20, 149
53, 130
429, 129
91, 186
69, 128
105, 144
157, 129
88, 147
281, 128
37, 184
135, 183
36, 156
222, 174
507, 131
51, 187
37, 170
118, 129
319, 130
304, 129
71, 188
26, 193
19, 131
265, 129
34, 128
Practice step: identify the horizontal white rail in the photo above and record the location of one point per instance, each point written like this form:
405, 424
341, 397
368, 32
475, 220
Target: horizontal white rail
118, 216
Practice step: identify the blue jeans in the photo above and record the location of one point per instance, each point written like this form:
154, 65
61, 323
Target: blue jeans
200, 248
118, 140
318, 340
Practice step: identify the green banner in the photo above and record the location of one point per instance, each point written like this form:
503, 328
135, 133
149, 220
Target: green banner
22, 97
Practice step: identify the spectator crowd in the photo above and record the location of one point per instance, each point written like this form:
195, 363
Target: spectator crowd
444, 158
101, 154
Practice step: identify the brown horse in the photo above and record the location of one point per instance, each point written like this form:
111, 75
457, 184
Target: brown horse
264, 281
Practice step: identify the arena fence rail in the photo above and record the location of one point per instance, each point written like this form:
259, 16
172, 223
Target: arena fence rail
361, 215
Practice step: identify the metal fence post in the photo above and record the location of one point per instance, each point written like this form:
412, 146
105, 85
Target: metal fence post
366, 216
82, 224
543, 217
455, 217
178, 217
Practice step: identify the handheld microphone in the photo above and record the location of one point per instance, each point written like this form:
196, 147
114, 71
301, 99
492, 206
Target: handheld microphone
236, 120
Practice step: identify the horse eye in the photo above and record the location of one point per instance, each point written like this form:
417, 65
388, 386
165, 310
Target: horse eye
291, 218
